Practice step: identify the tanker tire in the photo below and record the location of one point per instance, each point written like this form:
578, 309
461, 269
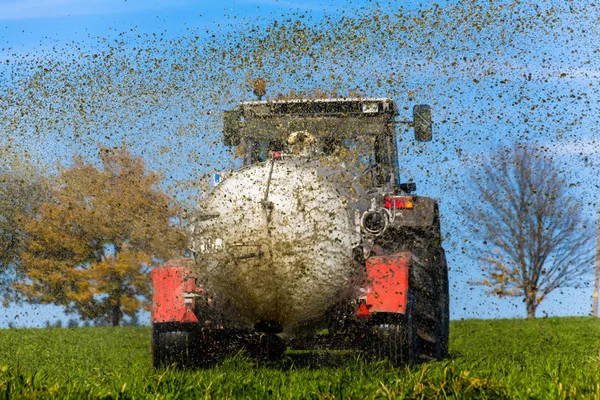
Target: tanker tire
396, 339
171, 347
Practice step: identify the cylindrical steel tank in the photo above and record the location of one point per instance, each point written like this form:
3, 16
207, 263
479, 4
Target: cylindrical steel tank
274, 241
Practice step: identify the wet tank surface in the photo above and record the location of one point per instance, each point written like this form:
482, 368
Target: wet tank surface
278, 240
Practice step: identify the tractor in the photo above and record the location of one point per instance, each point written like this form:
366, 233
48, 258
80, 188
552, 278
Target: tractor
313, 242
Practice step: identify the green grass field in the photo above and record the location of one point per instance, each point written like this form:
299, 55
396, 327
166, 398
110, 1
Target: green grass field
543, 359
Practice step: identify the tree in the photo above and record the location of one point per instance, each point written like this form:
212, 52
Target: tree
22, 190
91, 247
533, 234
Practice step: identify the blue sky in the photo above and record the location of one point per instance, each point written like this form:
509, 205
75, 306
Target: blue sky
28, 22
470, 120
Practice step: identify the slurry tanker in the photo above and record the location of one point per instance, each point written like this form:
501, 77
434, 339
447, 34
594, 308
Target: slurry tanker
313, 242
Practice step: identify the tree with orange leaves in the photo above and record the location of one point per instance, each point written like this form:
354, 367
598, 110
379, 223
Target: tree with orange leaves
22, 189
91, 247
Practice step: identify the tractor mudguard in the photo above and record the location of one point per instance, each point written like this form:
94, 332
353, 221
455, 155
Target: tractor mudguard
387, 289
173, 293
422, 215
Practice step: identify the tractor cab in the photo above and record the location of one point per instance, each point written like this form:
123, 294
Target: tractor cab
356, 133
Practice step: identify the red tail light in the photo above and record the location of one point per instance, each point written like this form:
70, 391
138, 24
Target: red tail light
398, 202
363, 311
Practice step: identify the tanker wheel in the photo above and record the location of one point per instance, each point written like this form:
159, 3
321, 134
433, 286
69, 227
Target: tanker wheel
394, 336
171, 346
186, 347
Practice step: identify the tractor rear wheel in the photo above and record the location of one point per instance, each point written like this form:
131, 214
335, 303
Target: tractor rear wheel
444, 305
429, 281
429, 284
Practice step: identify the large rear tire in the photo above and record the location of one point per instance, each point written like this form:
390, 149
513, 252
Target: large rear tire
444, 305
428, 281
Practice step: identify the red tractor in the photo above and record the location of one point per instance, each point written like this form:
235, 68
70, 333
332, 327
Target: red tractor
312, 242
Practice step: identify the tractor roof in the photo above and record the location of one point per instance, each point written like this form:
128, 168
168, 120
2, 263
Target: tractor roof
321, 117
320, 107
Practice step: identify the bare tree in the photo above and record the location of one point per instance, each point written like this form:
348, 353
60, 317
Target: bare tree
534, 238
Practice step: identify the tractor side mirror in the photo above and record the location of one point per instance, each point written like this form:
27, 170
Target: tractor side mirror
422, 123
232, 122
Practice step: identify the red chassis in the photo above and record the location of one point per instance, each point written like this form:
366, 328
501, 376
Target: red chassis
175, 291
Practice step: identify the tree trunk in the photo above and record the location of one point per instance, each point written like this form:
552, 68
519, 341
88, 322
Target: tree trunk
116, 314
531, 306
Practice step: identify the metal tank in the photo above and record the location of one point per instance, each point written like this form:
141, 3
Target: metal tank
275, 240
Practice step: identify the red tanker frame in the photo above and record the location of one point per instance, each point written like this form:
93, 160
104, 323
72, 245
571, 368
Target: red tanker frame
170, 283
388, 282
